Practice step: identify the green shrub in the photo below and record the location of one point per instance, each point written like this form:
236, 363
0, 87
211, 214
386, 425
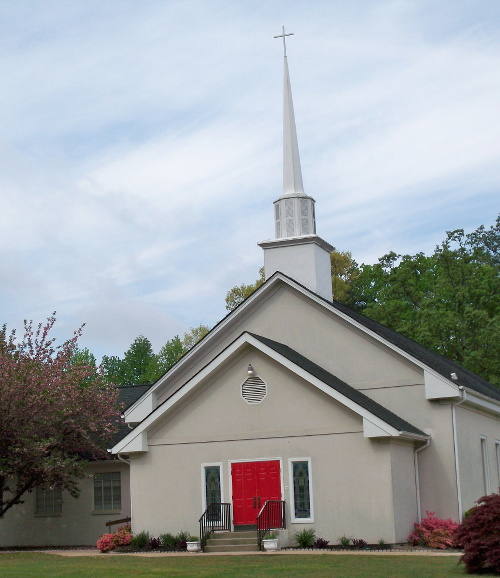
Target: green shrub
305, 538
168, 540
140, 540
344, 541
181, 540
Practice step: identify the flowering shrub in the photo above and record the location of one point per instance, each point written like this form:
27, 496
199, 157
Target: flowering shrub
105, 543
434, 532
121, 537
479, 535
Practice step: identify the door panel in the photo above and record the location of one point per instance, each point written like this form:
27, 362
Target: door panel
253, 484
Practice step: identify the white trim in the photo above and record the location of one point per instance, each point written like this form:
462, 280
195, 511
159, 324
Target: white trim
485, 463
497, 451
203, 494
270, 287
293, 519
136, 440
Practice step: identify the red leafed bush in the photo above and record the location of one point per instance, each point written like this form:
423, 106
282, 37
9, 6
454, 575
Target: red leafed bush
121, 537
434, 532
479, 535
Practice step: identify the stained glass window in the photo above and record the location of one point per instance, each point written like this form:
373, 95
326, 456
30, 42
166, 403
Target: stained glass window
301, 493
212, 491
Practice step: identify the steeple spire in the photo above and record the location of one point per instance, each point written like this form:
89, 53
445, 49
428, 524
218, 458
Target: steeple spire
292, 174
296, 250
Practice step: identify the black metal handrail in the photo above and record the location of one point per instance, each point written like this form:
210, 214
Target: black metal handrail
270, 517
216, 517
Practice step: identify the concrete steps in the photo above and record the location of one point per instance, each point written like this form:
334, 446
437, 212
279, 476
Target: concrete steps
232, 542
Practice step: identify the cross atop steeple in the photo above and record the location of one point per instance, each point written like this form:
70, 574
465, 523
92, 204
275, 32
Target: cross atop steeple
296, 250
283, 36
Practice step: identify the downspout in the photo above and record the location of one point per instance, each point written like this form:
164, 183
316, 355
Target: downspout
119, 456
417, 478
455, 449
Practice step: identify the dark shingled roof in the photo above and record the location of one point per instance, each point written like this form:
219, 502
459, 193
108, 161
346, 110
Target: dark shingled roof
353, 394
440, 364
128, 395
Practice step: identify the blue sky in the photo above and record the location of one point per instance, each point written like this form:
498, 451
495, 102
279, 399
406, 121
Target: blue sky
141, 146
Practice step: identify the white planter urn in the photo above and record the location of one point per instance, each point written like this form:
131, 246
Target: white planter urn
270, 544
193, 546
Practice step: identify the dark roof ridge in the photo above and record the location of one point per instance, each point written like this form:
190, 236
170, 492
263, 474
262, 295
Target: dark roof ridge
434, 360
341, 386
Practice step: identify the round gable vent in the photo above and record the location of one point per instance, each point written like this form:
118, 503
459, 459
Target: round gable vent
253, 390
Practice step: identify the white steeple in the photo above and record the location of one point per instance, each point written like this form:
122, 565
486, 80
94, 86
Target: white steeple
297, 251
292, 174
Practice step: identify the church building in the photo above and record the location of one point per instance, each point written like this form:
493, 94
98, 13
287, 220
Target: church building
298, 409
293, 412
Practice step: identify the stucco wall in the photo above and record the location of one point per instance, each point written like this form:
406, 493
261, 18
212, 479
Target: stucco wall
78, 525
437, 462
352, 476
289, 317
471, 424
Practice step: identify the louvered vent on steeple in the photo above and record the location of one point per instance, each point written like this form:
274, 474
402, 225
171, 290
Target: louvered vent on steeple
253, 390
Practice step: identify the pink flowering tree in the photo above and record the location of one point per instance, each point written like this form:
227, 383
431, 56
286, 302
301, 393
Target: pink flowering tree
55, 414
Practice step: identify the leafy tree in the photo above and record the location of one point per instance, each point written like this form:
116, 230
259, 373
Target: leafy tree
168, 355
135, 363
449, 301
55, 414
239, 293
112, 368
194, 335
345, 271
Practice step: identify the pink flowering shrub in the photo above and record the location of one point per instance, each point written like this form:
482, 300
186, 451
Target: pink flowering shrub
121, 537
105, 543
434, 532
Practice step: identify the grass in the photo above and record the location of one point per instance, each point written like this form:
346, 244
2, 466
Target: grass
332, 566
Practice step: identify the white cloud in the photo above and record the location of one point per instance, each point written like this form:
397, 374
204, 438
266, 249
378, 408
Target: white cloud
141, 146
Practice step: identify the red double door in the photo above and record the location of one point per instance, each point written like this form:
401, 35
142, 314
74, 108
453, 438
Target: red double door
253, 484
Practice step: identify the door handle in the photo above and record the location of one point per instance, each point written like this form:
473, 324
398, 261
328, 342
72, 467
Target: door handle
254, 504
259, 501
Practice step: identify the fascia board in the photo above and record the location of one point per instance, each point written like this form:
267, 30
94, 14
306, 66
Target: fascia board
383, 428
330, 391
362, 328
229, 319
239, 343
486, 403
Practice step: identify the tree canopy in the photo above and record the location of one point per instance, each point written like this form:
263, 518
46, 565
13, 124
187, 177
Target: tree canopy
56, 413
448, 301
140, 365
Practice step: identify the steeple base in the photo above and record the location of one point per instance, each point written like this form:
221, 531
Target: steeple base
305, 259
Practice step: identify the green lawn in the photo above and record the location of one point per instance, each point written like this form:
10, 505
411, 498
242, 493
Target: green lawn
26, 564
